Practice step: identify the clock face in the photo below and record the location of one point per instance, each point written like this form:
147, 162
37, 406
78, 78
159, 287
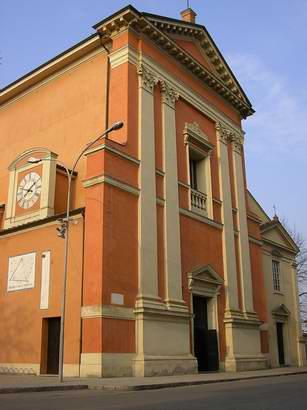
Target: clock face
29, 190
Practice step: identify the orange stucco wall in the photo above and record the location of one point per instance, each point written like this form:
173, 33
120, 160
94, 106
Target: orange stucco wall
21, 316
120, 238
62, 114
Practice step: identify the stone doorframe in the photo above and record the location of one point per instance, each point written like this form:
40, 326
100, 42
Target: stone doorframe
205, 281
280, 315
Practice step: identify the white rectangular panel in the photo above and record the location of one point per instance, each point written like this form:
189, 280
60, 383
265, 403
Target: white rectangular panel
117, 299
45, 279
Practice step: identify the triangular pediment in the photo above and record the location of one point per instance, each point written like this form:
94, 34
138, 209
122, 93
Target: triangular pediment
255, 208
206, 274
194, 48
207, 64
281, 311
196, 42
275, 233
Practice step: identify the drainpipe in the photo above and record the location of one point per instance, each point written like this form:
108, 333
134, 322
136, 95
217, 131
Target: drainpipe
107, 87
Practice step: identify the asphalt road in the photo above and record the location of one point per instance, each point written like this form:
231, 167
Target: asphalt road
280, 393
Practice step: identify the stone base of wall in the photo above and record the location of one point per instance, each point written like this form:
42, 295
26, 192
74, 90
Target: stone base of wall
245, 363
71, 370
20, 368
164, 366
106, 364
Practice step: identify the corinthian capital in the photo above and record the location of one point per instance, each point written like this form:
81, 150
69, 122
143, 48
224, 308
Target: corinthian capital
223, 134
237, 143
169, 95
147, 79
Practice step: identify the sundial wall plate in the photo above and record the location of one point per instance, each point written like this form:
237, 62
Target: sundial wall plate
21, 272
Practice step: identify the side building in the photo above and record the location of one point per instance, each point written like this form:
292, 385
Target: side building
286, 345
170, 258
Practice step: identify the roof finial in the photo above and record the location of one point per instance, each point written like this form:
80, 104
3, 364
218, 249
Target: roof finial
188, 4
275, 217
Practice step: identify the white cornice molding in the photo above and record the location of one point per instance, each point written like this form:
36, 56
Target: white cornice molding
51, 71
114, 151
37, 227
126, 54
104, 179
255, 240
199, 218
107, 311
277, 245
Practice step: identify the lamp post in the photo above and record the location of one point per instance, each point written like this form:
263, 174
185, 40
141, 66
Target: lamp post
64, 233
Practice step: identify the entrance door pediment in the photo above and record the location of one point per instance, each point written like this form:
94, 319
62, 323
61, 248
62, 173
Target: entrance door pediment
281, 312
204, 281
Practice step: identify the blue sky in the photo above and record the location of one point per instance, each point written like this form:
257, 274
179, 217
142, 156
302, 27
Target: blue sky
265, 44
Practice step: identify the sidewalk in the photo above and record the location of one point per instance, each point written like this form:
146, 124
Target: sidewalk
19, 383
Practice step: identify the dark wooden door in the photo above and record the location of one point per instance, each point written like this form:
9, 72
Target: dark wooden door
200, 331
280, 343
53, 345
213, 351
205, 340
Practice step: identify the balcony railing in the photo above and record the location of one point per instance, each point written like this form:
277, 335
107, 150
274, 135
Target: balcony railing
198, 202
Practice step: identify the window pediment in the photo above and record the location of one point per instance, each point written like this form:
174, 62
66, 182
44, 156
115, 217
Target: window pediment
196, 138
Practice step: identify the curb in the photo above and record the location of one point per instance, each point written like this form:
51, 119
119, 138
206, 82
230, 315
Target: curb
139, 387
167, 385
31, 389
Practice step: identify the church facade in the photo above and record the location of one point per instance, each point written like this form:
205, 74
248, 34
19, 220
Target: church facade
173, 266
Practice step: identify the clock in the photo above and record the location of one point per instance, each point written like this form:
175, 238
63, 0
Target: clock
29, 190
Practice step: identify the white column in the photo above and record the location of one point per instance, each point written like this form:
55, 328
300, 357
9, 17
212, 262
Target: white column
148, 255
229, 255
301, 355
173, 279
244, 253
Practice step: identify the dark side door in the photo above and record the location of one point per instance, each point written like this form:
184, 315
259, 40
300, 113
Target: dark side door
280, 344
53, 345
205, 341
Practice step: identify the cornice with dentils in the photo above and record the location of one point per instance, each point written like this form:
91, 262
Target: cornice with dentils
158, 29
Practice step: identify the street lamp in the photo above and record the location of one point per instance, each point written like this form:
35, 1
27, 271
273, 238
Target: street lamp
64, 232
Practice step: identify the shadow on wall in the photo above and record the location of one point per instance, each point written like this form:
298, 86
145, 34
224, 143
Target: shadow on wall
18, 336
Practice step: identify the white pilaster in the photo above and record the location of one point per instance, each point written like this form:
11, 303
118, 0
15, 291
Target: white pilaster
229, 258
148, 265
173, 272
244, 253
301, 350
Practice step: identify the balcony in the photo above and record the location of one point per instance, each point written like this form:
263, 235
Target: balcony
199, 202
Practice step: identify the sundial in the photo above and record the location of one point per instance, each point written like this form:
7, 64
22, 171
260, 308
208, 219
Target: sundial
21, 273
